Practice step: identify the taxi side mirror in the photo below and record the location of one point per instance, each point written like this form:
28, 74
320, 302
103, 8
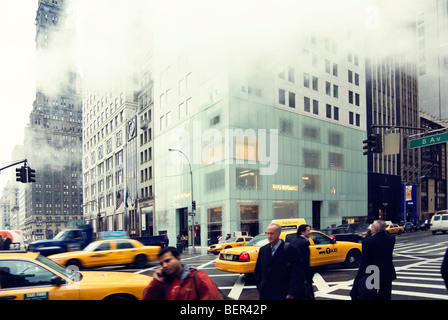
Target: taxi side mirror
57, 281
333, 240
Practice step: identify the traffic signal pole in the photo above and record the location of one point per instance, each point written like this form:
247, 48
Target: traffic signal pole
24, 174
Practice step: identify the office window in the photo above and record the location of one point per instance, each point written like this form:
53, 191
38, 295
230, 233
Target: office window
335, 161
335, 138
335, 91
328, 88
215, 181
281, 71
315, 107
311, 158
306, 104
350, 117
327, 66
310, 183
336, 113
328, 111
350, 97
311, 133
292, 99
357, 99
281, 96
291, 76
162, 120
335, 69
358, 120
306, 80
247, 179
315, 84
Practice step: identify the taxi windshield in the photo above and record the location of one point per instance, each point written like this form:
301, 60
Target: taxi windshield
230, 240
258, 241
57, 267
91, 246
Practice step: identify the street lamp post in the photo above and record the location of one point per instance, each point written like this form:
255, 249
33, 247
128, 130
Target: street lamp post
193, 203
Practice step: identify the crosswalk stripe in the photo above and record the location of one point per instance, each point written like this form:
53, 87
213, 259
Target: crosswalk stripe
417, 285
419, 278
420, 294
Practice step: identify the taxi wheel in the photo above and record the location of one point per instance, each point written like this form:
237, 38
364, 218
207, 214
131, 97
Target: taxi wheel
352, 259
140, 261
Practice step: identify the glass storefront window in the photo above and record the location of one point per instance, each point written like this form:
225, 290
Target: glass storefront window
249, 219
285, 209
247, 179
214, 224
311, 183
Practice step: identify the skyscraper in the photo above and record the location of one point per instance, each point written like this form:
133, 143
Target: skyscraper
53, 137
432, 34
270, 132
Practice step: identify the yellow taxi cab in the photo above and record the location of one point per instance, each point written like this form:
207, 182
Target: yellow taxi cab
109, 252
393, 228
323, 251
229, 243
31, 276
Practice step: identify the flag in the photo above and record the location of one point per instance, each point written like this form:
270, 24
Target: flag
119, 200
127, 196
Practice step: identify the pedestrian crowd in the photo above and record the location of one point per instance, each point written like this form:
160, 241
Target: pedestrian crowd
283, 272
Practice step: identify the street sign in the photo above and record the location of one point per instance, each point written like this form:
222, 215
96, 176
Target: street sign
427, 141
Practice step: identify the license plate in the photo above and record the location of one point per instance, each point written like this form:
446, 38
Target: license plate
227, 256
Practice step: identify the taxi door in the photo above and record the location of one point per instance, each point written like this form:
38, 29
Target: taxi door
102, 255
323, 250
125, 252
26, 280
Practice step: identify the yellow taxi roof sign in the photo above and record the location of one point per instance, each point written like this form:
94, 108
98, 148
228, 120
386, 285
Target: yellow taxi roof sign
289, 222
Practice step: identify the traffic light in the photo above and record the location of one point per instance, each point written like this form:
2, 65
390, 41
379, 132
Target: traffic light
366, 146
21, 174
377, 143
193, 206
31, 175
373, 144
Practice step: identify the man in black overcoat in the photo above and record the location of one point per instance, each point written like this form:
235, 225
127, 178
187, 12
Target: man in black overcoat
377, 253
273, 268
302, 246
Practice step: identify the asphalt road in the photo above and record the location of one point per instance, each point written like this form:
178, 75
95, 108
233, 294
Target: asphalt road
417, 260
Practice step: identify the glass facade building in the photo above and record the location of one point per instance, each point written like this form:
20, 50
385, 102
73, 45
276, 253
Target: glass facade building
266, 137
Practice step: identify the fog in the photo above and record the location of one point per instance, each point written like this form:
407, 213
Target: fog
105, 39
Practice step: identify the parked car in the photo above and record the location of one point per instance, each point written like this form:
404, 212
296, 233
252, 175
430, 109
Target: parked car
363, 230
439, 222
408, 226
352, 226
423, 225
342, 234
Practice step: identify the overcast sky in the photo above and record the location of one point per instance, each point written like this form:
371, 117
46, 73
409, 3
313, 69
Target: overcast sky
105, 20
17, 76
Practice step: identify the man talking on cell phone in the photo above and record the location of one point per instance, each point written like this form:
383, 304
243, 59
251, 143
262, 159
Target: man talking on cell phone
177, 281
